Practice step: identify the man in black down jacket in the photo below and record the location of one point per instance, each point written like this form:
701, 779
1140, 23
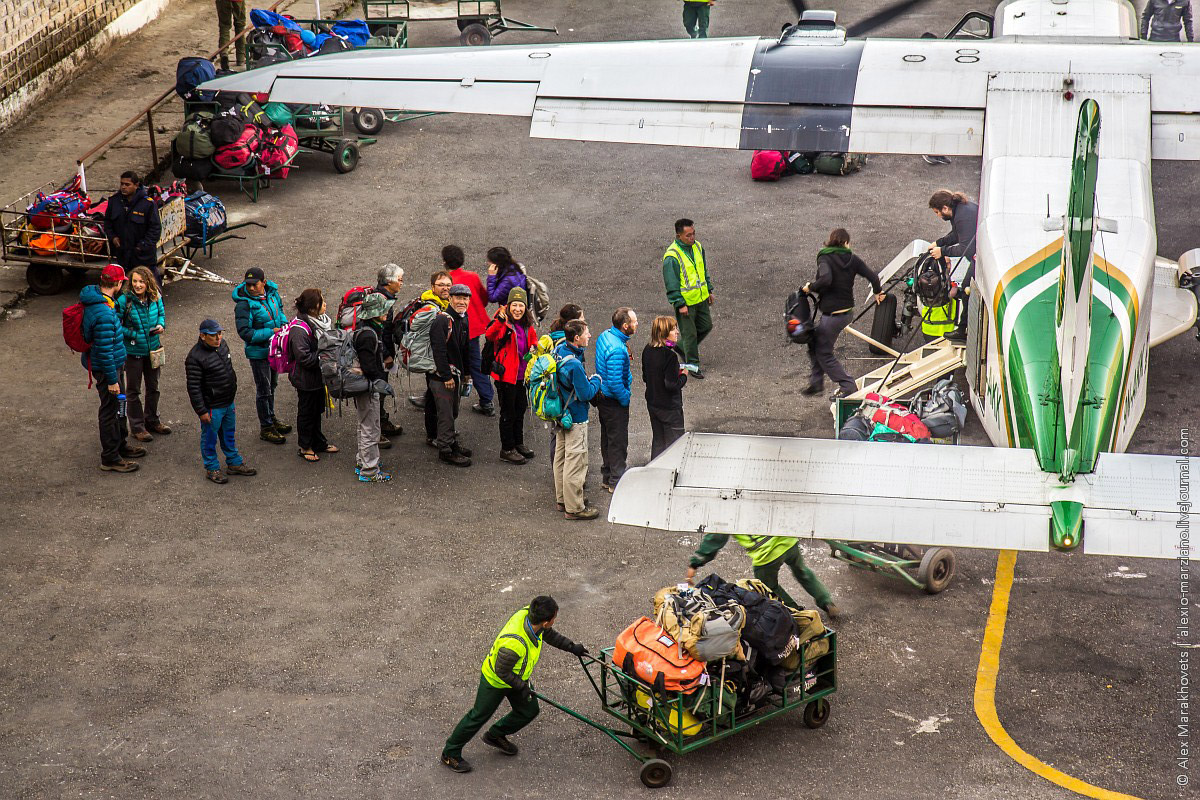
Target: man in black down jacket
211, 387
132, 226
963, 216
449, 340
1164, 20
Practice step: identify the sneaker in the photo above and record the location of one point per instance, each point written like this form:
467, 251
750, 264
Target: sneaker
500, 742
282, 428
378, 477
416, 400
390, 428
456, 764
120, 466
607, 487
385, 443
512, 457
133, 452
697, 374
486, 409
216, 476
271, 434
143, 436
454, 459
462, 451
811, 389
588, 512
159, 428
524, 451
240, 469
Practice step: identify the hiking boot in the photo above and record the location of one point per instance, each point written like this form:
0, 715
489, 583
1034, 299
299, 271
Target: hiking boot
811, 389
697, 374
143, 436
416, 400
462, 451
512, 456
831, 609
456, 764
283, 429
120, 466
216, 476
500, 742
524, 451
159, 428
608, 487
240, 469
390, 428
385, 443
588, 512
956, 335
271, 434
486, 409
133, 452
378, 477
454, 459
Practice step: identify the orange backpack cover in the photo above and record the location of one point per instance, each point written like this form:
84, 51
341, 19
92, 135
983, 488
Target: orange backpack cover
650, 654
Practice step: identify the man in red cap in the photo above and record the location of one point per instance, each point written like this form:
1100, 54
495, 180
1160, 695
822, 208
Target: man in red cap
106, 360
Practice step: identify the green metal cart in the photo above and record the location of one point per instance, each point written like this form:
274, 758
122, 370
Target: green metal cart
478, 20
678, 723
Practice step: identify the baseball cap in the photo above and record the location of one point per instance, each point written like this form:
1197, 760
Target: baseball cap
460, 289
113, 272
210, 326
255, 274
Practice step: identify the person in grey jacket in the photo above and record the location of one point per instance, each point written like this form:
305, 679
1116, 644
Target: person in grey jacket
1164, 20
963, 216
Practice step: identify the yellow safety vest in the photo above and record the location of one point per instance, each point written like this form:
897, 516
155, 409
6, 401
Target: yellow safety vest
939, 320
513, 637
693, 280
764, 549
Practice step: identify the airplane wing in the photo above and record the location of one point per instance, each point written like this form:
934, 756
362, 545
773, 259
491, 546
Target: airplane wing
804, 92
1173, 310
993, 498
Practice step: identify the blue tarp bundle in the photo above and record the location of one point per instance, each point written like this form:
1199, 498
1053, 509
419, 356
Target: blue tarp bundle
354, 31
261, 18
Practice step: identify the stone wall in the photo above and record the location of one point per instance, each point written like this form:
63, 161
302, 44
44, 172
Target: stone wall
43, 42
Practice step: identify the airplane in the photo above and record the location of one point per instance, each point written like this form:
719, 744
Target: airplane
1065, 106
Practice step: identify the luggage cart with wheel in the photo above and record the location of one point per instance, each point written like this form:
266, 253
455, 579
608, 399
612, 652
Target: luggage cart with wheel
678, 723
478, 20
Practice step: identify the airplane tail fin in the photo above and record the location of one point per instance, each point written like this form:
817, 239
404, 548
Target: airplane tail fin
1074, 307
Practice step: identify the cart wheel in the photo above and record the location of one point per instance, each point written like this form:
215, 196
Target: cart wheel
345, 157
475, 35
369, 121
655, 773
463, 23
816, 713
936, 570
45, 279
390, 31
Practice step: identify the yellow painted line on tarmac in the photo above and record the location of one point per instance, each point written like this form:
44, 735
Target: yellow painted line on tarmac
985, 690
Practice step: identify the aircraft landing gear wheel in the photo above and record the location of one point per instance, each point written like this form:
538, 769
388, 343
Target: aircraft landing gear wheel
475, 35
816, 713
345, 157
368, 121
655, 773
936, 570
883, 325
45, 279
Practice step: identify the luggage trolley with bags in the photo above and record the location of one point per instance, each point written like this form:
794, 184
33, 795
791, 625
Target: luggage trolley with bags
478, 20
657, 692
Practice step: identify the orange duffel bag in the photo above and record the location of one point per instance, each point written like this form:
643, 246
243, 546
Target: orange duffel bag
649, 653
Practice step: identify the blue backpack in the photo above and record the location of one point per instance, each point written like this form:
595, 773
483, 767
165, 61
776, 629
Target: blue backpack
190, 72
206, 217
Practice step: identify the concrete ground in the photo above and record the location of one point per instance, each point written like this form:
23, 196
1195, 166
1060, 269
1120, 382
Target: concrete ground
298, 634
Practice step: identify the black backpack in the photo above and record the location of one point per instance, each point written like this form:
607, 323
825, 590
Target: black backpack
226, 129
769, 625
932, 282
800, 317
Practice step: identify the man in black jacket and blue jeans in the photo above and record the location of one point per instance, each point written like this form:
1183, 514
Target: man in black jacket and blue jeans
211, 388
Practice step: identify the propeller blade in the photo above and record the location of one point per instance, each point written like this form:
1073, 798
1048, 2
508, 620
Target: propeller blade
882, 17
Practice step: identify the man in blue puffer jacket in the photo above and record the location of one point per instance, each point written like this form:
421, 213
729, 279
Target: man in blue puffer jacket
612, 403
571, 445
258, 313
105, 359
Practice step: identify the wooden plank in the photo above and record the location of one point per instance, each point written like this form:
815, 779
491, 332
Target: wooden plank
913, 371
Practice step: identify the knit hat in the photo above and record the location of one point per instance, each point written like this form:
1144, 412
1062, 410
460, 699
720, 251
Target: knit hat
518, 295
374, 305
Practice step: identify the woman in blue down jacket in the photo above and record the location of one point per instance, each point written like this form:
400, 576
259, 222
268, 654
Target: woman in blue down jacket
143, 320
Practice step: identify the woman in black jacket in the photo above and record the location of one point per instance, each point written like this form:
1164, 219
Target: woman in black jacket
834, 284
664, 377
306, 374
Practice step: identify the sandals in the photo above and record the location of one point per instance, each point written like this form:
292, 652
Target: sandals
309, 457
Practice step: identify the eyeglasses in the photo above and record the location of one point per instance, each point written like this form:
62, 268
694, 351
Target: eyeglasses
442, 285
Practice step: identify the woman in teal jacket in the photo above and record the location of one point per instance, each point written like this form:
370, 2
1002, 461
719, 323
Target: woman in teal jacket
143, 320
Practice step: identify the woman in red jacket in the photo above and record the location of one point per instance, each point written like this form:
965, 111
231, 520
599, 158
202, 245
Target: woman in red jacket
512, 336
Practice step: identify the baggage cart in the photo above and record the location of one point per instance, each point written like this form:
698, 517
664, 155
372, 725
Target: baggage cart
478, 20
678, 723
78, 250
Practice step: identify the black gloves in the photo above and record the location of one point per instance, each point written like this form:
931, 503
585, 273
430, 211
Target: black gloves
579, 650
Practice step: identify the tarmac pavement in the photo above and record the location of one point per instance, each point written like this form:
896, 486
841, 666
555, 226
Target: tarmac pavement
299, 634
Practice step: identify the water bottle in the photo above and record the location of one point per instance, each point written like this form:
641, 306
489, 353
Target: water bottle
121, 406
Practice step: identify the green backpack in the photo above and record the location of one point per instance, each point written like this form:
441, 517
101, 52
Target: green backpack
545, 394
279, 114
194, 140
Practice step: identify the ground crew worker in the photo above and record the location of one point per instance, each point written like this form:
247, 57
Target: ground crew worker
768, 554
689, 290
230, 14
506, 674
1164, 20
695, 17
938, 321
963, 216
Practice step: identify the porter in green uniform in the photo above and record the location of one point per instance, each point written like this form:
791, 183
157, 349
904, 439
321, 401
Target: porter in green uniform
768, 554
689, 290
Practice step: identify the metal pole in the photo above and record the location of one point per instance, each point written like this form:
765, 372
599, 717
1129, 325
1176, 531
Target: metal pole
153, 141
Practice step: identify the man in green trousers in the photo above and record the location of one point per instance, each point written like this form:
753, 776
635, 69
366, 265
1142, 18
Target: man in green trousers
695, 17
506, 676
768, 554
689, 290
230, 14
